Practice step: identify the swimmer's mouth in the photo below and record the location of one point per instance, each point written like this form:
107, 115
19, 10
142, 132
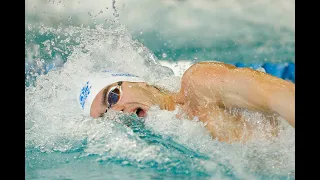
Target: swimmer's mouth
140, 112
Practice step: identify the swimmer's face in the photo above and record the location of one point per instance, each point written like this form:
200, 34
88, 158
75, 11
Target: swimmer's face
130, 97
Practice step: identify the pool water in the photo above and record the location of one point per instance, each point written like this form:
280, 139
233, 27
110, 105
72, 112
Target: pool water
65, 41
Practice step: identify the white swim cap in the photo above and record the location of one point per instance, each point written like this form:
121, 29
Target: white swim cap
95, 83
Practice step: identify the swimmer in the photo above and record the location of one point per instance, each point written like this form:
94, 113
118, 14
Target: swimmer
208, 91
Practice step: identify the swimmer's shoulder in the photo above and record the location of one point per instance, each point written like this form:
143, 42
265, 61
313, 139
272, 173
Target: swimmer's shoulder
216, 74
201, 70
204, 69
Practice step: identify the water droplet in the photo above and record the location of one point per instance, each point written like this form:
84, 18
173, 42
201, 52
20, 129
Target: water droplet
164, 55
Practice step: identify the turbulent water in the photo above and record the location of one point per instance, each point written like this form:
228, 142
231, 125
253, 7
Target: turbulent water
62, 144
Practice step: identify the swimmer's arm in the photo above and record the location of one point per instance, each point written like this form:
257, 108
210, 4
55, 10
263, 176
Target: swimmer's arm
246, 88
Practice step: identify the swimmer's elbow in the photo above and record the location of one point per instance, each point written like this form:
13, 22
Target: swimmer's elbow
284, 104
292, 122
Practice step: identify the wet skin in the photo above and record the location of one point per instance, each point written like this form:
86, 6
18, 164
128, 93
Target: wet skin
209, 90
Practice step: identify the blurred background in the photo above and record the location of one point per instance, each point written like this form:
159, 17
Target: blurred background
232, 31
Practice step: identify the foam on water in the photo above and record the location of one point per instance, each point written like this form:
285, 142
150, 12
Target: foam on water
161, 141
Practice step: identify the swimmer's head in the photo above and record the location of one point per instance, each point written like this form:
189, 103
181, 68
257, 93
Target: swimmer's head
96, 83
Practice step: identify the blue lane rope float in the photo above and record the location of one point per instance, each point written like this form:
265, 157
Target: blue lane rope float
282, 70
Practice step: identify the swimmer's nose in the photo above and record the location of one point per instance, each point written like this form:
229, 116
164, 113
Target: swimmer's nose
122, 109
118, 108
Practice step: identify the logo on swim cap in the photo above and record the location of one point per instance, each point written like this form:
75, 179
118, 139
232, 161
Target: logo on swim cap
85, 91
123, 74
119, 74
